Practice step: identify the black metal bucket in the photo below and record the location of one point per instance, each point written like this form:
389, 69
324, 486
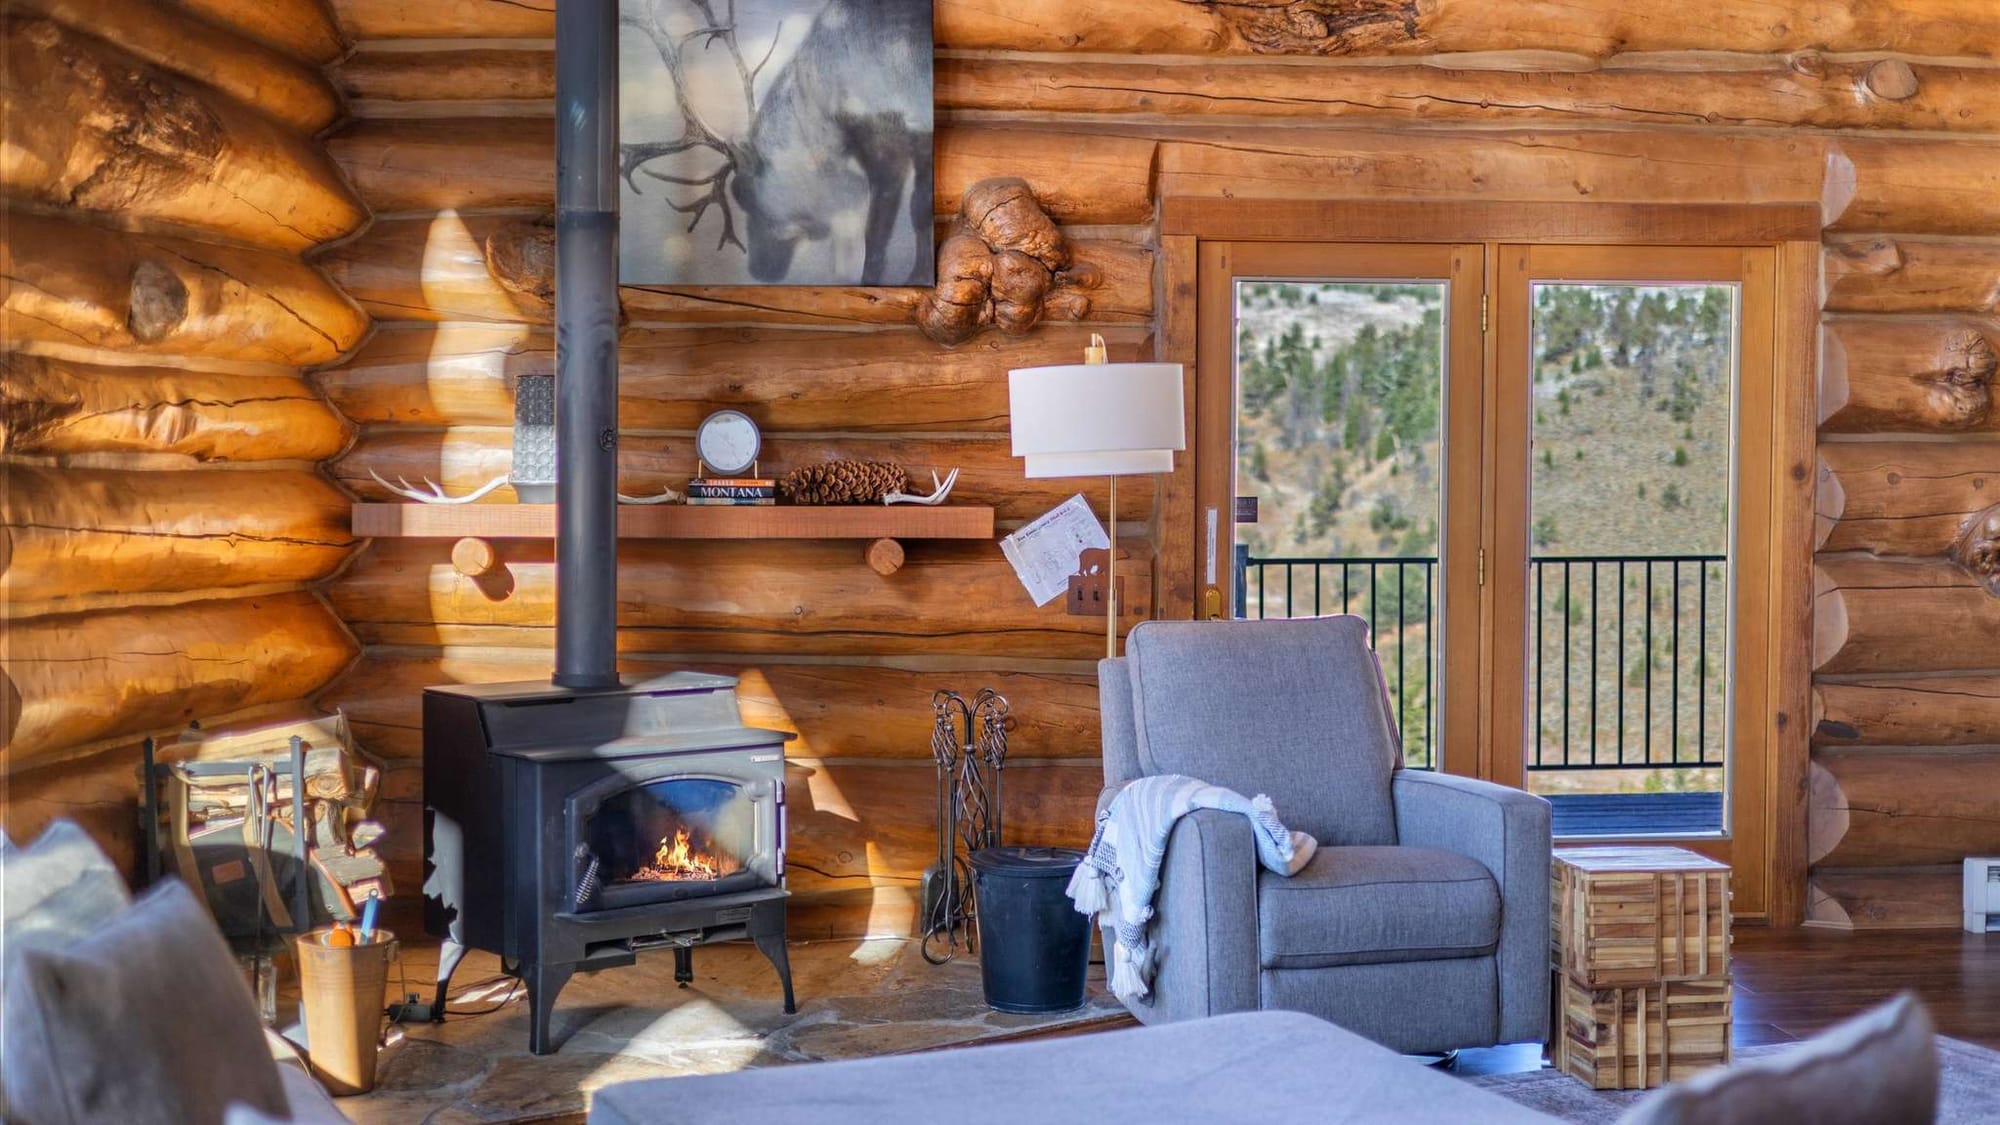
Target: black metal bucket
1034, 947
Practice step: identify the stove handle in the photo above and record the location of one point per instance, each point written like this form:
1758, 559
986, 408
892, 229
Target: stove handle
778, 797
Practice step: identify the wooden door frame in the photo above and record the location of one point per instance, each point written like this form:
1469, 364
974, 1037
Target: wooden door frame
1793, 230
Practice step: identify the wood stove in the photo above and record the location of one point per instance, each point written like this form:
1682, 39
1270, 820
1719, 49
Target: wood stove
568, 830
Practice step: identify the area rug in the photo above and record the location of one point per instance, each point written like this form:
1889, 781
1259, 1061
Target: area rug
856, 999
1970, 1093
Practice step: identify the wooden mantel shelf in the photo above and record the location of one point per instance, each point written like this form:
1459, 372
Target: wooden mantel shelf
882, 525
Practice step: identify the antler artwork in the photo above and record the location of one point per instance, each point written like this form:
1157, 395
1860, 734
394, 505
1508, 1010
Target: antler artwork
434, 493
708, 31
1005, 264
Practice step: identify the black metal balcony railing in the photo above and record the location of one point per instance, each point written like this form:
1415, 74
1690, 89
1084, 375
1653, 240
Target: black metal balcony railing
1625, 652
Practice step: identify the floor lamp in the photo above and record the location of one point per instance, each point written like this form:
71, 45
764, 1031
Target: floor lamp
1095, 419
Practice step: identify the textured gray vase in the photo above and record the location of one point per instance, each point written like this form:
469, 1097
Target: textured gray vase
534, 474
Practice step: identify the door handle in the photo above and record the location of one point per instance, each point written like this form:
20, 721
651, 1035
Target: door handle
1212, 604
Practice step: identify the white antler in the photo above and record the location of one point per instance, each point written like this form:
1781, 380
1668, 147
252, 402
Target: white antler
666, 496
940, 490
436, 495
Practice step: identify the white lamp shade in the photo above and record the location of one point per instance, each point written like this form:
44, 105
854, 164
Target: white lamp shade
1097, 419
1122, 464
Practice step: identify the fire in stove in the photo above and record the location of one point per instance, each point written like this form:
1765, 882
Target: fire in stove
680, 859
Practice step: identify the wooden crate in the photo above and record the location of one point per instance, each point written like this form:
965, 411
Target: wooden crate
1626, 916
1634, 1038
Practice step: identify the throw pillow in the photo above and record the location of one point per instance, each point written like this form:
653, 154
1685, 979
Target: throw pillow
1879, 1068
145, 1022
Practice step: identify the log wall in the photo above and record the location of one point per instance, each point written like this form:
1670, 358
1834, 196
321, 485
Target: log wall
1880, 113
167, 518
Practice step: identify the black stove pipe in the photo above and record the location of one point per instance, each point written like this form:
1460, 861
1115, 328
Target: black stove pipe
587, 344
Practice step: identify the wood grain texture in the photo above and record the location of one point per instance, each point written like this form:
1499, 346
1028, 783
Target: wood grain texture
503, 72
75, 284
1900, 615
838, 710
425, 166
74, 679
1408, 27
1908, 375
670, 379
880, 522
1903, 808
464, 458
72, 532
1907, 711
1912, 186
446, 19
1514, 165
93, 128
728, 596
304, 29
1884, 898
1881, 273
1805, 91
287, 88
56, 407
452, 267
1904, 497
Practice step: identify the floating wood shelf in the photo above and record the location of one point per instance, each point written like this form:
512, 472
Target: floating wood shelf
882, 525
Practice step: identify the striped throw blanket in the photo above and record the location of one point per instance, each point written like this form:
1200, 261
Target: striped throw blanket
1121, 871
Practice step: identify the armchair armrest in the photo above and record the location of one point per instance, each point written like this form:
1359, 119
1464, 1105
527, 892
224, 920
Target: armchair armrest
1205, 921
1508, 831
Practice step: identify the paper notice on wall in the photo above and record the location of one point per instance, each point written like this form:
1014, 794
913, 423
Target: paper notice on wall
1045, 553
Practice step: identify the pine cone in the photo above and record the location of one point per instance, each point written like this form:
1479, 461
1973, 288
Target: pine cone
843, 482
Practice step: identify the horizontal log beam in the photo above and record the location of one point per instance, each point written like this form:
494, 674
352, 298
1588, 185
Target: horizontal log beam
72, 680
1902, 808
404, 167
1599, 30
1879, 273
1912, 185
1885, 898
92, 128
500, 267
446, 19
670, 379
76, 284
1903, 498
73, 532
385, 81
1908, 375
801, 597
1882, 615
1907, 711
1517, 165
464, 458
1806, 91
289, 89
304, 29
56, 407
836, 710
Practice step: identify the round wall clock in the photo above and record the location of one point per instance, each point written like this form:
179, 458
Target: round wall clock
727, 443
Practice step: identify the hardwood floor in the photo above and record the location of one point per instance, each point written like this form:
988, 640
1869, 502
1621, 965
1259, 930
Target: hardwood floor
1792, 984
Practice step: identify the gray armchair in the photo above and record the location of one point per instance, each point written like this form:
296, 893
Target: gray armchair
1423, 920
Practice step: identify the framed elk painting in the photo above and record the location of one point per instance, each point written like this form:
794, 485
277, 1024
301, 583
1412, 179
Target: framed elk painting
775, 142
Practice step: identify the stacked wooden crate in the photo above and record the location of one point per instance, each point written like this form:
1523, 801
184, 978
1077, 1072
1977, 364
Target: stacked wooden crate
1640, 949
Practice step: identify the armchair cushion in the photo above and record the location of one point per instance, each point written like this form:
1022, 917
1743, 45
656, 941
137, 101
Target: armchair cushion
1368, 905
1290, 709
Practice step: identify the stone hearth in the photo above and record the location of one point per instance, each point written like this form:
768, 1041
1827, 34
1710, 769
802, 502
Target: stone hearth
856, 998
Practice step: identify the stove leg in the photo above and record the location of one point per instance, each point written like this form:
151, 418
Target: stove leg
683, 965
450, 953
545, 982
772, 946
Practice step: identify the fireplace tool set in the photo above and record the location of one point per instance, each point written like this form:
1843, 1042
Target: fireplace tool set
969, 744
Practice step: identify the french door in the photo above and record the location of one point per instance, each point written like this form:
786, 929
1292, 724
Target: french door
1541, 473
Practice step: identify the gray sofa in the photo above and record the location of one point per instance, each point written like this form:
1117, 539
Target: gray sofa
1422, 922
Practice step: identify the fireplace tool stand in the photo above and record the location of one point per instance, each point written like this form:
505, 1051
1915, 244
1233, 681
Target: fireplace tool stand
969, 745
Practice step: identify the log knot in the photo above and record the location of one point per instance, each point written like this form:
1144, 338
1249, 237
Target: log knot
521, 256
1976, 548
1961, 394
1005, 264
158, 302
1323, 27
